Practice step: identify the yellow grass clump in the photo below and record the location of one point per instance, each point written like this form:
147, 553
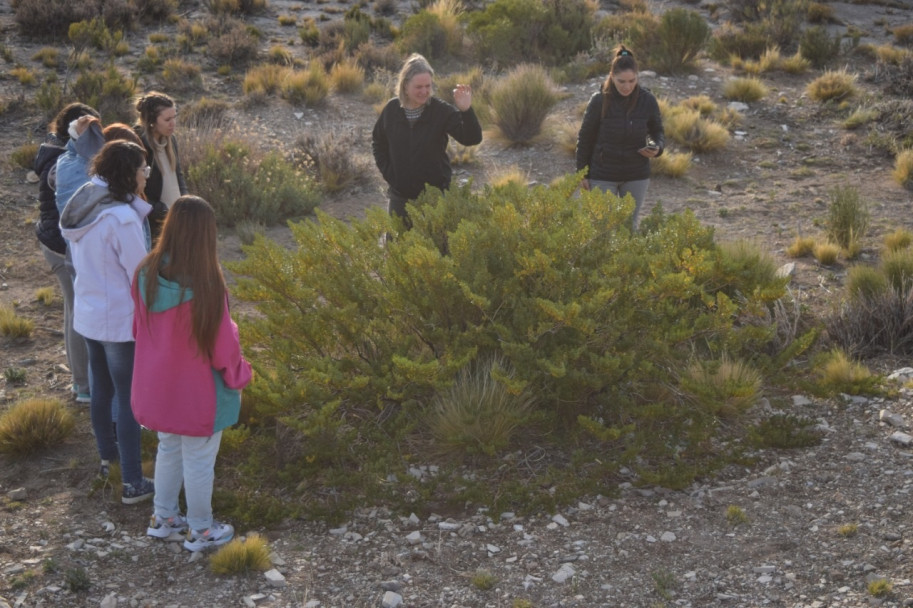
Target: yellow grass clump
833, 85
903, 169
33, 425
240, 556
745, 89
801, 247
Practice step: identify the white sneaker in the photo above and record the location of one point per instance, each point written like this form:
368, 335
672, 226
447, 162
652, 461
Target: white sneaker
217, 534
161, 527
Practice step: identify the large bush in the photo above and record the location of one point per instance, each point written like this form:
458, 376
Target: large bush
593, 320
242, 185
548, 31
520, 102
683, 34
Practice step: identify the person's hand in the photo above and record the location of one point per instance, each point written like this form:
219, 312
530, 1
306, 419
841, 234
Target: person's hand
585, 184
83, 122
649, 152
462, 97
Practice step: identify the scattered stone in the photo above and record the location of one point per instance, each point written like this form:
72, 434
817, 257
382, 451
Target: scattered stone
892, 419
392, 600
565, 572
274, 578
414, 538
18, 495
560, 520
902, 439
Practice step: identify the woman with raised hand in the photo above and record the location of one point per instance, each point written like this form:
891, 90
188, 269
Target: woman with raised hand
157, 122
105, 225
622, 130
410, 136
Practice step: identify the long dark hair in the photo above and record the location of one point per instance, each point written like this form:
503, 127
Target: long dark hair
68, 114
624, 61
117, 163
186, 253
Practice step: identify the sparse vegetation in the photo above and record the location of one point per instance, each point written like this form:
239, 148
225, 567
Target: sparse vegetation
33, 425
832, 86
745, 89
736, 515
241, 556
13, 326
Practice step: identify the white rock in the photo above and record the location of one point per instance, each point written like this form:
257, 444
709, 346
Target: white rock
565, 572
274, 578
901, 438
392, 600
667, 537
414, 538
559, 519
109, 601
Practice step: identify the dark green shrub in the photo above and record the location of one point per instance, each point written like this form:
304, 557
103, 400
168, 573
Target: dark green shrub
848, 216
515, 31
357, 26
51, 18
350, 336
423, 33
747, 42
242, 186
682, 35
780, 20
155, 11
110, 92
818, 47
785, 431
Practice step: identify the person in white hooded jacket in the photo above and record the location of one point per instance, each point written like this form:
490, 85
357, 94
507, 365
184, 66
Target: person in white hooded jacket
105, 223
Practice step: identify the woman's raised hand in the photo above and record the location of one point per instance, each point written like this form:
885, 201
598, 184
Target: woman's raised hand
462, 97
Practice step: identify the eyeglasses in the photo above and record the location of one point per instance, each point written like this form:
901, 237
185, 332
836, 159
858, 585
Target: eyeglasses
147, 171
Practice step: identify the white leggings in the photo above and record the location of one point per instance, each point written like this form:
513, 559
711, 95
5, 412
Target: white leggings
637, 189
190, 461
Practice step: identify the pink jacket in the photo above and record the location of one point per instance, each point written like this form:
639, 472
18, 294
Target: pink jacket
176, 389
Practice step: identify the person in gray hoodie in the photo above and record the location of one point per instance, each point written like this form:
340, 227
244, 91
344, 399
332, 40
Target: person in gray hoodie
105, 224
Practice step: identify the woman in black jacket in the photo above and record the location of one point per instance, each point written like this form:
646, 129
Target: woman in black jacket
622, 130
157, 121
53, 246
410, 137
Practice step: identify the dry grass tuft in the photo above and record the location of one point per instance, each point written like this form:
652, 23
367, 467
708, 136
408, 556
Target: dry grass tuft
238, 557
33, 425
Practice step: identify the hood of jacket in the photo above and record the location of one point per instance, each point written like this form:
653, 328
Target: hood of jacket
92, 202
169, 294
48, 152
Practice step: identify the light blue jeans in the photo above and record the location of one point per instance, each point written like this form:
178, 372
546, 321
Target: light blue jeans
111, 373
637, 189
190, 461
77, 356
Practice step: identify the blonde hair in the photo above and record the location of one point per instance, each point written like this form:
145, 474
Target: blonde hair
415, 65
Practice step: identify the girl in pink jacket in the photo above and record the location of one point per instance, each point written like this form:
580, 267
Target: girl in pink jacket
189, 369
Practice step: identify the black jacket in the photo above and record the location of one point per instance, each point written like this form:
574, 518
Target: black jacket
412, 155
47, 229
608, 144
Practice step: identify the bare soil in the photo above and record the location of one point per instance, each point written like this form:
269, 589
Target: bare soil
646, 547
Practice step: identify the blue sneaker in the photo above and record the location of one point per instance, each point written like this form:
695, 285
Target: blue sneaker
134, 493
81, 394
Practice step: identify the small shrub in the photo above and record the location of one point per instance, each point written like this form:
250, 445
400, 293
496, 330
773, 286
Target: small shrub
897, 266
309, 32
723, 388
46, 295
880, 587
745, 89
903, 34
848, 530
239, 557
479, 412
460, 154
700, 103
248, 230
310, 86
484, 580
241, 185
832, 86
848, 216
801, 247
110, 92
785, 431
736, 516
13, 326
265, 79
520, 101
689, 129
795, 64
233, 7
826, 253
356, 29
901, 238
332, 155
838, 374
50, 18
24, 75
733, 41
33, 425
820, 13
48, 56
179, 75
903, 169
865, 282
672, 164
14, 375
508, 176
516, 31
683, 34
375, 92
347, 77
205, 112
287, 20
236, 45
155, 11
77, 580
280, 55
817, 46
24, 155
860, 117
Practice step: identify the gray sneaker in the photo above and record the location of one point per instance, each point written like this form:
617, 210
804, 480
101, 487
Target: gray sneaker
161, 527
217, 534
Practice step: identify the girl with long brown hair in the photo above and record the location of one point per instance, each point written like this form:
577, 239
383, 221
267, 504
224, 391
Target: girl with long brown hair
190, 371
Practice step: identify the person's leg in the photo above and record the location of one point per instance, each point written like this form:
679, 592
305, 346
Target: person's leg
397, 207
638, 191
169, 475
77, 354
120, 366
102, 392
199, 472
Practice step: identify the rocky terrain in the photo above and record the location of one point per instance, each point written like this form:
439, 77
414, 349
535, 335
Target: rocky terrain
801, 529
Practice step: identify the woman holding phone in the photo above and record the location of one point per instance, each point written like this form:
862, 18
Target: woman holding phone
622, 130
